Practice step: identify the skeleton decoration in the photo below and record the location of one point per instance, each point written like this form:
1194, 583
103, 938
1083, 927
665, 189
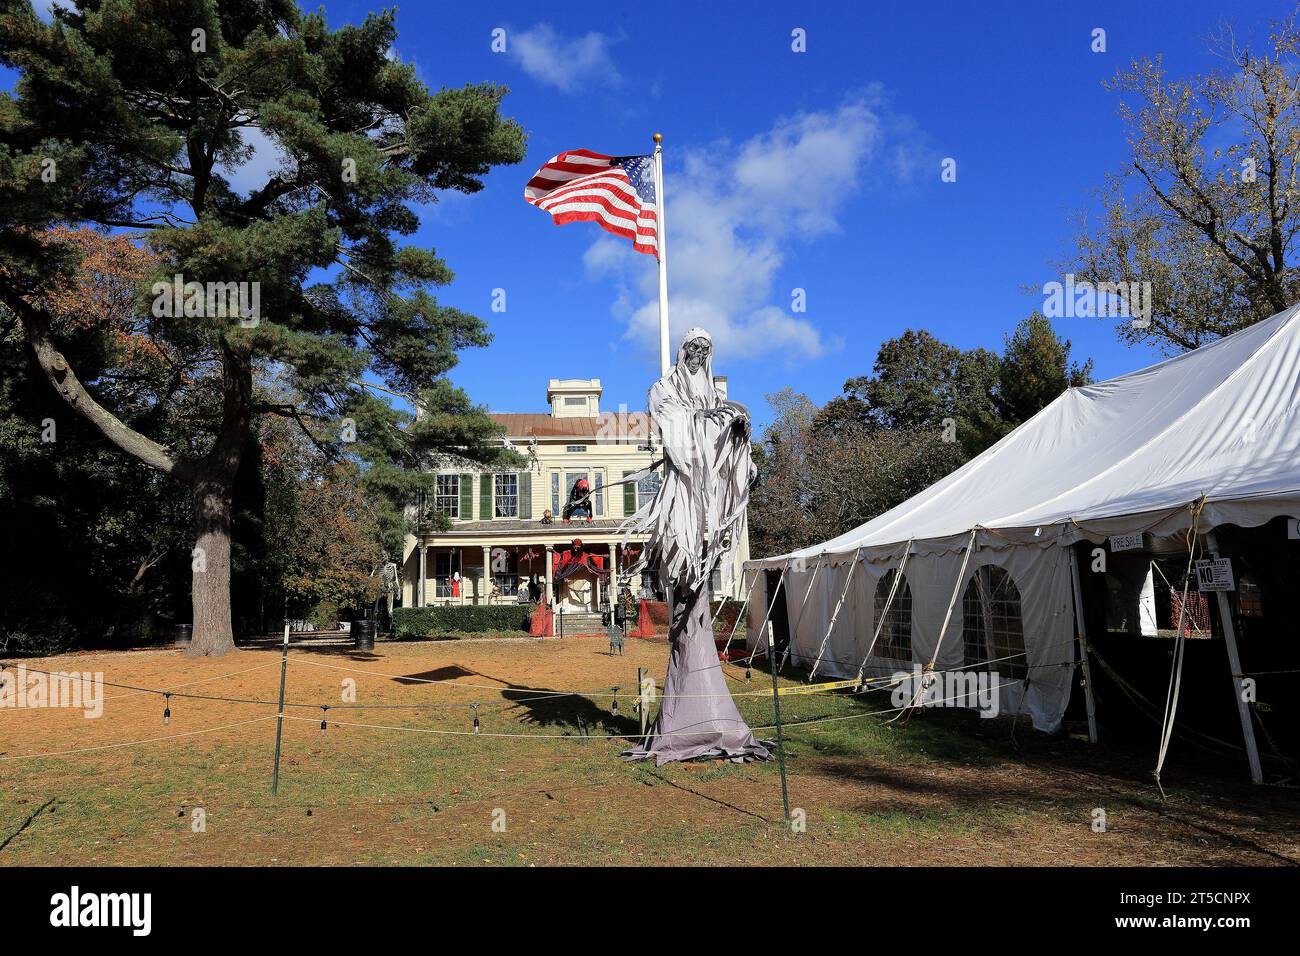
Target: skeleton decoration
691, 523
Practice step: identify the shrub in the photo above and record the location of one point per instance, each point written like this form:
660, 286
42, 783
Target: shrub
468, 618
727, 619
56, 637
658, 613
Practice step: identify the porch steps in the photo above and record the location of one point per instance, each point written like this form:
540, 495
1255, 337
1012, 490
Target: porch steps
580, 622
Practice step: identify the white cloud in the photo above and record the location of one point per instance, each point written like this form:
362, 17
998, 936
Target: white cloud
266, 159
734, 214
562, 62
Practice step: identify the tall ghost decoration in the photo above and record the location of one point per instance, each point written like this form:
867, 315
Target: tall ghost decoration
693, 522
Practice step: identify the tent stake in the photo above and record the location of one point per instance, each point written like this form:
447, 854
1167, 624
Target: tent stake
1234, 663
1081, 637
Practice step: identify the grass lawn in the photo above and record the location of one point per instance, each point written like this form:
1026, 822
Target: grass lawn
942, 788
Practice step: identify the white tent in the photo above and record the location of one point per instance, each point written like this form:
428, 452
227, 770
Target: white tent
1207, 438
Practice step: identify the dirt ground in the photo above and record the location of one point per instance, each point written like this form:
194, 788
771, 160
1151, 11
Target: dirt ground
542, 783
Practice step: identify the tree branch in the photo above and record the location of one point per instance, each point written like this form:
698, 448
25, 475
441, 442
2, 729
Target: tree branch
34, 325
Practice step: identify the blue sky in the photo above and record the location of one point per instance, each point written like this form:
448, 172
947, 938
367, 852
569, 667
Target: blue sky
817, 170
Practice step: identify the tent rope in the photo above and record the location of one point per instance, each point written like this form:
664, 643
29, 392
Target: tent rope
1180, 643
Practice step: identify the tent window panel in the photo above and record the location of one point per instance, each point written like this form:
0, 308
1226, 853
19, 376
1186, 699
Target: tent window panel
992, 627
895, 641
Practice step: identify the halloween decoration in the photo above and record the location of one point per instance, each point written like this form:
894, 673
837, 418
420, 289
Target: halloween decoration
579, 503
691, 521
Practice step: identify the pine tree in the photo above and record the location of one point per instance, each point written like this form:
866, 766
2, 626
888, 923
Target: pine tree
133, 116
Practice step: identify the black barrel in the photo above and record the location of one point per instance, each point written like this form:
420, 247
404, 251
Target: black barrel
183, 634
363, 634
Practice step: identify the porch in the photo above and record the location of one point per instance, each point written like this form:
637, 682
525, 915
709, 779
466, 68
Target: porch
573, 566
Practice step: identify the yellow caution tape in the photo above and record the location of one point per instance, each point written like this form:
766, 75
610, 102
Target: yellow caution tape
816, 688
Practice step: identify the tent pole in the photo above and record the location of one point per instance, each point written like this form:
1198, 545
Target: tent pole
952, 601
762, 628
889, 601
1081, 637
1234, 662
848, 579
794, 628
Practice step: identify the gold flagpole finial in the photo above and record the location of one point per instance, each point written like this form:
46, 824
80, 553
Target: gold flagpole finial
659, 137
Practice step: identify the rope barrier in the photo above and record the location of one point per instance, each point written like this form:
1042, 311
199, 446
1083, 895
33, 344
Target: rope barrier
147, 740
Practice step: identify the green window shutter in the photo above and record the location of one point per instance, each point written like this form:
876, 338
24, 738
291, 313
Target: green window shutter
629, 497
485, 509
525, 494
467, 497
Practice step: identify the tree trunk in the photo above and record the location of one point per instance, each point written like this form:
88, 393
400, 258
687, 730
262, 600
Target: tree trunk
210, 567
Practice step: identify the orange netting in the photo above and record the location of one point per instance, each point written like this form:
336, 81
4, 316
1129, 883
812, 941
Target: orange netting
543, 622
644, 626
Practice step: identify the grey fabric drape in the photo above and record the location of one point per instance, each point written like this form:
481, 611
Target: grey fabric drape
692, 521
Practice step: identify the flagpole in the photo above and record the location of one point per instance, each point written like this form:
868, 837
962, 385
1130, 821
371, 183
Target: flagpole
661, 234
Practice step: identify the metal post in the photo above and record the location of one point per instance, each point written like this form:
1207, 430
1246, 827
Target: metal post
561, 620
1234, 663
640, 691
662, 237
279, 717
1081, 637
780, 738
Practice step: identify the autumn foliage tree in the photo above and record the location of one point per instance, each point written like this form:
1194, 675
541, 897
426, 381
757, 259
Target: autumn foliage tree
1207, 209
132, 115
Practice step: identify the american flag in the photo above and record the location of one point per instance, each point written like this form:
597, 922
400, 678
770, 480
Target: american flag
617, 192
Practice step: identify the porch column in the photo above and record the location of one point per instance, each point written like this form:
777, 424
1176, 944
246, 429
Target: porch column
549, 597
487, 574
460, 568
419, 600
613, 571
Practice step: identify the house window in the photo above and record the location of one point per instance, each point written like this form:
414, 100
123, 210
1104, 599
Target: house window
598, 485
506, 496
555, 494
647, 488
574, 401
446, 499
992, 630
576, 449
895, 640
715, 581
505, 571
445, 564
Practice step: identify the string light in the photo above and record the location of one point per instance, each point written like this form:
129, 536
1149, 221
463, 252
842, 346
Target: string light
167, 708
614, 708
476, 723
324, 711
